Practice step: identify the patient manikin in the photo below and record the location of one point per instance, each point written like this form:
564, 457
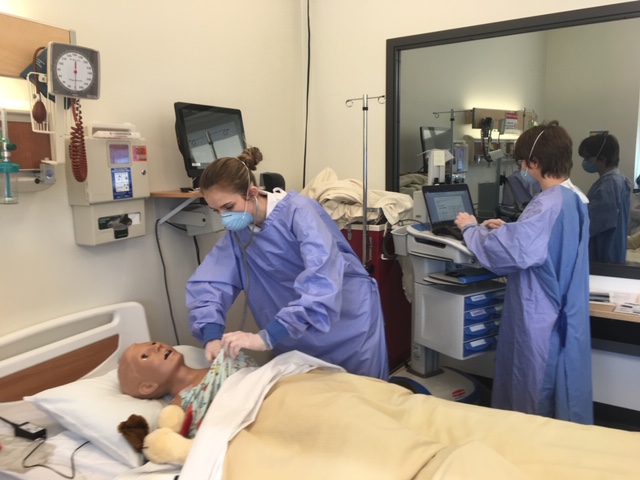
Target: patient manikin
154, 369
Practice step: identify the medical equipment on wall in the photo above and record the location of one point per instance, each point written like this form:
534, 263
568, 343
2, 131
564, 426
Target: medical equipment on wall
8, 169
107, 170
365, 156
109, 204
456, 309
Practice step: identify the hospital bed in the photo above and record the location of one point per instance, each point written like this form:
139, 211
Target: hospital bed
294, 417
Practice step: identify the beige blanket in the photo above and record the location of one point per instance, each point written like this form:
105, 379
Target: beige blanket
343, 199
333, 425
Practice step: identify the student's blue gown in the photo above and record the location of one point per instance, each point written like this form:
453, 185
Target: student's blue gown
609, 200
307, 288
543, 358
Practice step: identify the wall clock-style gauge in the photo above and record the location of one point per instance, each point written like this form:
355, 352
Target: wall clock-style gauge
73, 71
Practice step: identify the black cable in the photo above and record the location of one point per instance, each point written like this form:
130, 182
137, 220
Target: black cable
9, 422
72, 461
197, 247
306, 122
166, 284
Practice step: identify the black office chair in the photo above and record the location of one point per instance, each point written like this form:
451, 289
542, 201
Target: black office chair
271, 180
515, 197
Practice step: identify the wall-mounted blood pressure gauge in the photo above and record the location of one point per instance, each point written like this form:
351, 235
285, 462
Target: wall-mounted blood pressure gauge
73, 71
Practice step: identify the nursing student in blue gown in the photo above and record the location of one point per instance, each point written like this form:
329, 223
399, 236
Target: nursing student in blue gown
609, 199
543, 357
305, 286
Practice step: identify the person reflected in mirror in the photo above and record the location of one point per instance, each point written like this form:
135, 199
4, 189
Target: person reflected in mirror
634, 209
543, 356
609, 198
304, 284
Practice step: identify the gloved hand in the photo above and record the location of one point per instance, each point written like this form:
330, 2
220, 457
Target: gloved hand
233, 342
212, 349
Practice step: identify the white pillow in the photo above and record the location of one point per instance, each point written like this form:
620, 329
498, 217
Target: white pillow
94, 407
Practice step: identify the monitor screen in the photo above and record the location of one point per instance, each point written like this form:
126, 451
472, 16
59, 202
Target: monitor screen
206, 133
444, 202
434, 137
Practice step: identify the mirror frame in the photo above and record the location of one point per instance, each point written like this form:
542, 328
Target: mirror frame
395, 46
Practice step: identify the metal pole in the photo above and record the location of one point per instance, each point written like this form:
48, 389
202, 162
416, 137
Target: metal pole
365, 111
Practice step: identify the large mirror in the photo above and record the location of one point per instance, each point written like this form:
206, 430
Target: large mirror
577, 67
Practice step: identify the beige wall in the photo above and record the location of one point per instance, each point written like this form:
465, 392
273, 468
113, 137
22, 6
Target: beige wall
249, 54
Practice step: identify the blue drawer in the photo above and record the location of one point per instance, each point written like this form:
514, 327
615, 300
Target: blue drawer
478, 315
480, 345
479, 330
484, 299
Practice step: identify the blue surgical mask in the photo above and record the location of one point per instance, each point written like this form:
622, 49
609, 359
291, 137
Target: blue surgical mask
589, 167
527, 178
236, 220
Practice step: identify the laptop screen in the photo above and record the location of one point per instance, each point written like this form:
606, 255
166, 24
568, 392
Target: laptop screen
444, 202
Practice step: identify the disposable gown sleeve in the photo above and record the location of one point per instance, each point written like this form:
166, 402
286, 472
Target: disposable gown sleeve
514, 246
319, 285
604, 208
212, 289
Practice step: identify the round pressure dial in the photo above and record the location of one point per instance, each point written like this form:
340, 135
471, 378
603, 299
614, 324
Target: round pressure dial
74, 71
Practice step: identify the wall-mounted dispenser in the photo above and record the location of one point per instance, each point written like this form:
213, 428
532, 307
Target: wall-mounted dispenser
108, 205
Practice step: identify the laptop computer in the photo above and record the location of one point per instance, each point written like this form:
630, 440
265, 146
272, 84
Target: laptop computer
443, 203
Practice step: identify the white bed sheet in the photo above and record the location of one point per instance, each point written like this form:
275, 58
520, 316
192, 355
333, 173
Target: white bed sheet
91, 463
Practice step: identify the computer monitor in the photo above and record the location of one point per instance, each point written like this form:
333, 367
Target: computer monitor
206, 133
434, 137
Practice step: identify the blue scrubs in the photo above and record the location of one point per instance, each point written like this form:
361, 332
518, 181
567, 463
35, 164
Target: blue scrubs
307, 288
543, 358
609, 199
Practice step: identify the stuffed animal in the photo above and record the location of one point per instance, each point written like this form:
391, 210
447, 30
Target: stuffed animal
166, 444
134, 429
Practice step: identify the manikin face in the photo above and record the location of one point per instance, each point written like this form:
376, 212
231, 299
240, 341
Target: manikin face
146, 369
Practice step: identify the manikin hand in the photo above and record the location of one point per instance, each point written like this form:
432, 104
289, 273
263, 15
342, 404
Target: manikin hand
233, 342
212, 349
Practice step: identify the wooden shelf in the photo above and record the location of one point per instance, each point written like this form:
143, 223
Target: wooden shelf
19, 39
606, 310
176, 194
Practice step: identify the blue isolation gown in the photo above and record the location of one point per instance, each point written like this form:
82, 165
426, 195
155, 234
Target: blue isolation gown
304, 275
543, 358
609, 199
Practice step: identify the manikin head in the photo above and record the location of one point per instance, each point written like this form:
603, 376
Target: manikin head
147, 370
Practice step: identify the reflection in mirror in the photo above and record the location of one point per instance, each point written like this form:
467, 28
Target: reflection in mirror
578, 74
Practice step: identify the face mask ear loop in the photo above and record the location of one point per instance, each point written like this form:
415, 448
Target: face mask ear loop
534, 145
602, 146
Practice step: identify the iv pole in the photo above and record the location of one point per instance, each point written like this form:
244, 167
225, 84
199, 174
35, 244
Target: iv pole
365, 155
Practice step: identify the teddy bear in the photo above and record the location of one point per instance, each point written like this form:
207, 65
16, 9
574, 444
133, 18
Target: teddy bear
166, 444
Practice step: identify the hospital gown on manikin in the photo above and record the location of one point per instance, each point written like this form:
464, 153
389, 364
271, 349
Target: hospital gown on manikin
305, 281
543, 358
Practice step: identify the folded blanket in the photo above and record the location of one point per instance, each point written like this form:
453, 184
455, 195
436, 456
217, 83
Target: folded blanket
344, 199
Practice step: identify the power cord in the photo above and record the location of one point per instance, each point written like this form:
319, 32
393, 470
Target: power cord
27, 430
72, 460
166, 283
